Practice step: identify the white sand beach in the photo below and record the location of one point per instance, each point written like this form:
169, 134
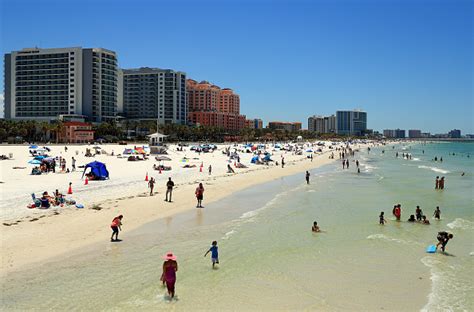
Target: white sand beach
67, 228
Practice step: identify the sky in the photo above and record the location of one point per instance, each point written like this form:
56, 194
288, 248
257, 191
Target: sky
409, 64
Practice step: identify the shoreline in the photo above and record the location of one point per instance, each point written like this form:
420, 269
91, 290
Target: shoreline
67, 232
418, 301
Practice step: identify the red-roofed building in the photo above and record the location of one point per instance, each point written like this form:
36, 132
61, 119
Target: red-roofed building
76, 132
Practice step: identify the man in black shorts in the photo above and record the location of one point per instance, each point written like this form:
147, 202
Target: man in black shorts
169, 189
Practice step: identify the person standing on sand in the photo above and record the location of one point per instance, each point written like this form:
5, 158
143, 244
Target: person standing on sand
73, 162
437, 183
170, 267
169, 189
151, 185
199, 195
307, 177
210, 169
116, 226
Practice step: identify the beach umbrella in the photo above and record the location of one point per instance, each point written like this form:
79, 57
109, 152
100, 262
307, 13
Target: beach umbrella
309, 151
35, 162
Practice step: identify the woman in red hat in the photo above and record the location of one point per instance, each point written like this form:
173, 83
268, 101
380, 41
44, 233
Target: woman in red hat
170, 267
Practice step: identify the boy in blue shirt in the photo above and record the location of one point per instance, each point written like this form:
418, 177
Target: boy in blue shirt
214, 254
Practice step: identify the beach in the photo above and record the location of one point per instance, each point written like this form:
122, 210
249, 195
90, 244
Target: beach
68, 228
269, 257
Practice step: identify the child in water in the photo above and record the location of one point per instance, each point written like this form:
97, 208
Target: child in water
315, 227
437, 213
382, 219
214, 254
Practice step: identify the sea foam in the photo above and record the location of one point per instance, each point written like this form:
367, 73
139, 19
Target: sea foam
462, 224
435, 169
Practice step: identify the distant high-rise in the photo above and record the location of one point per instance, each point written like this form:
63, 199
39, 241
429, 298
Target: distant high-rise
414, 134
47, 83
320, 124
396, 134
155, 94
352, 122
455, 134
209, 105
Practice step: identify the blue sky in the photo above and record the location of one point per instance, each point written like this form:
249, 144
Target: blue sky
409, 64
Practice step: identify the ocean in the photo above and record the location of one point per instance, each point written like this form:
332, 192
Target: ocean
270, 259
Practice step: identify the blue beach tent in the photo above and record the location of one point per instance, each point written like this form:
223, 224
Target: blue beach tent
98, 169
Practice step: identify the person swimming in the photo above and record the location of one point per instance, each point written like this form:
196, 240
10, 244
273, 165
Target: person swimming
412, 218
425, 221
315, 227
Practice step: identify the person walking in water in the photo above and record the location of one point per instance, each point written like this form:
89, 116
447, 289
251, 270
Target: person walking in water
170, 267
441, 183
382, 220
199, 195
151, 185
307, 177
437, 183
169, 189
347, 164
214, 254
116, 226
397, 211
343, 164
437, 213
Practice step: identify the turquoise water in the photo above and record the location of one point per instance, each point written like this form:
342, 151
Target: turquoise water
270, 260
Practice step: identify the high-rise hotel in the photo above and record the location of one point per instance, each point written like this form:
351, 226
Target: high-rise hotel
155, 94
209, 105
46, 83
